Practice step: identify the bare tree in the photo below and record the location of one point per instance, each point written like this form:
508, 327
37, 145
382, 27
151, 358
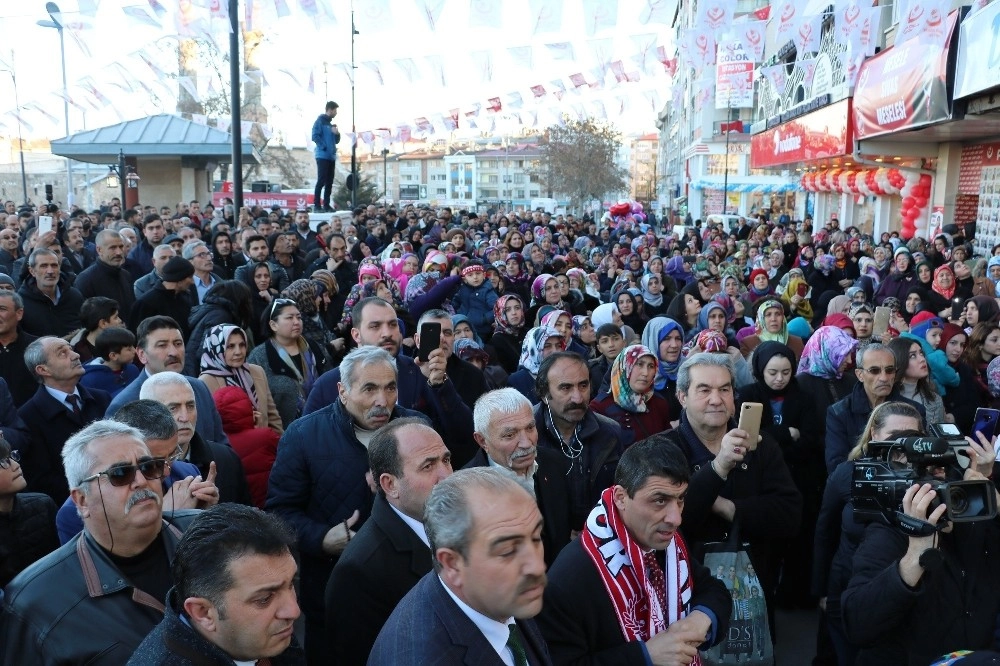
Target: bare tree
579, 161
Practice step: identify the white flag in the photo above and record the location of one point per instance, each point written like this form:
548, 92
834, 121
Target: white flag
546, 15
750, 35
714, 14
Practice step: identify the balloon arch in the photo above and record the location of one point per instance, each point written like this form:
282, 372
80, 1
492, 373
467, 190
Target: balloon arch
914, 188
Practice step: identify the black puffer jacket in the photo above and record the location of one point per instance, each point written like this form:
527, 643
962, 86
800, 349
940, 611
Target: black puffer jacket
101, 279
27, 533
43, 317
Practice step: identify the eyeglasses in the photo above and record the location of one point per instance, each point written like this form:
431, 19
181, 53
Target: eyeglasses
203, 253
12, 456
124, 475
875, 370
280, 302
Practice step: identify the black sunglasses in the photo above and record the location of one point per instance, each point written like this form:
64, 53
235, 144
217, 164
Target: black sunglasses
124, 475
14, 456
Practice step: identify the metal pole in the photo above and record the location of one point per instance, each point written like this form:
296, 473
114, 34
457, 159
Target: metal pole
20, 139
725, 177
53, 9
234, 103
122, 170
385, 176
354, 129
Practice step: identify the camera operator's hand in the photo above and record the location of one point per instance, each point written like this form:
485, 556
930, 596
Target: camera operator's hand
732, 449
915, 504
982, 454
434, 368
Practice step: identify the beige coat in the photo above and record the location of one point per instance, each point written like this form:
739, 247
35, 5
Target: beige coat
267, 411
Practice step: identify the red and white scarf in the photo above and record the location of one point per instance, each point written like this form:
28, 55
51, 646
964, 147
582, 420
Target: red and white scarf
618, 559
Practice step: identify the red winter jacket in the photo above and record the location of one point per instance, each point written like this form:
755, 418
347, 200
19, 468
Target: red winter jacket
257, 447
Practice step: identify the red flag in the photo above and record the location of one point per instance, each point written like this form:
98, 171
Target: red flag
494, 105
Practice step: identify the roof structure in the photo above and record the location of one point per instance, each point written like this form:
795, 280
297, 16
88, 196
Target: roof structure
162, 135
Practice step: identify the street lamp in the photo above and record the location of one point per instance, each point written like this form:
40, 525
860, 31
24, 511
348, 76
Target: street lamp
725, 177
123, 176
53, 9
20, 139
385, 176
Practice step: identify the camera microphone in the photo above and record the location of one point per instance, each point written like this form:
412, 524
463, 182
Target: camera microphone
921, 447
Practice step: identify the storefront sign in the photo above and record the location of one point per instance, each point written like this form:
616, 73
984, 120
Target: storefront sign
978, 67
733, 77
904, 87
825, 133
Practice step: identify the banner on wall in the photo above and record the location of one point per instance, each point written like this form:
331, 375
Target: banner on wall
975, 73
905, 87
733, 77
826, 132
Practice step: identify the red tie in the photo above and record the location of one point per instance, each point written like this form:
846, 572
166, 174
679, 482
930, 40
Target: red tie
656, 579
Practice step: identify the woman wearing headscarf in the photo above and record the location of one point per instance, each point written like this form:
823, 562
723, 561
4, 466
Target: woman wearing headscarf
517, 279
629, 309
823, 279
544, 291
585, 335
793, 290
666, 338
771, 325
607, 313
944, 286
686, 307
678, 267
631, 401
900, 279
823, 370
790, 416
652, 295
224, 363
509, 329
306, 295
538, 343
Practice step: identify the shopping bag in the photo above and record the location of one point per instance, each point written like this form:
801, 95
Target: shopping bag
748, 641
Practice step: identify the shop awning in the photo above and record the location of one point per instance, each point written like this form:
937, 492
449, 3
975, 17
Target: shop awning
756, 188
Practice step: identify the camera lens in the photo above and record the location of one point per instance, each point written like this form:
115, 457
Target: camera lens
958, 502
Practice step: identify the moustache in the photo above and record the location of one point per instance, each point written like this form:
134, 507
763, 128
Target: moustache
576, 405
524, 453
530, 582
376, 412
138, 496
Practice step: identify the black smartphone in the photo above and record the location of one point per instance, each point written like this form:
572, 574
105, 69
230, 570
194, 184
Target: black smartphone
957, 306
430, 339
986, 423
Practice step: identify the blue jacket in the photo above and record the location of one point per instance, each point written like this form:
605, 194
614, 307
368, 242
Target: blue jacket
476, 303
943, 374
99, 376
317, 481
325, 138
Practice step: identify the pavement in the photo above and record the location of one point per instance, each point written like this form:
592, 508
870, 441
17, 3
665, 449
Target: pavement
796, 637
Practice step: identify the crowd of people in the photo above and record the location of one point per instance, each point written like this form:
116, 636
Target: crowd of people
215, 420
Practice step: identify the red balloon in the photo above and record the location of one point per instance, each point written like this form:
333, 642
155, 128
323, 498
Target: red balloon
908, 202
925, 180
911, 213
919, 202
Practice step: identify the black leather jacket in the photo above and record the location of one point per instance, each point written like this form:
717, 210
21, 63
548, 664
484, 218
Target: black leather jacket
75, 607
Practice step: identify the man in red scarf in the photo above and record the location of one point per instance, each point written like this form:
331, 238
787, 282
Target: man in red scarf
627, 591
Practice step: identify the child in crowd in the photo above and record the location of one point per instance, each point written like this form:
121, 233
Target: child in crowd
926, 328
475, 299
112, 368
610, 342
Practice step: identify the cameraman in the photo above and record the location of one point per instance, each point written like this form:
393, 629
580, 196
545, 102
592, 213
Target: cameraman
912, 599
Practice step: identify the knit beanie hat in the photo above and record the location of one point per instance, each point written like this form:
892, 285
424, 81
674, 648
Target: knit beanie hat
177, 269
799, 326
923, 322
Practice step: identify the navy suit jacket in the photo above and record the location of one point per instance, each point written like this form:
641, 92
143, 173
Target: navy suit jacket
209, 423
429, 628
50, 424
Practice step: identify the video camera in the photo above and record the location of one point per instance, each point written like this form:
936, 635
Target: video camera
882, 478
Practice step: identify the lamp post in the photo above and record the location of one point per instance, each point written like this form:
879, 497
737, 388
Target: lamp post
236, 117
123, 176
53, 9
20, 140
725, 177
385, 176
353, 182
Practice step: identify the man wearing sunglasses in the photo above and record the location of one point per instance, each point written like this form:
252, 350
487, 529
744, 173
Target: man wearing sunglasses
846, 419
93, 600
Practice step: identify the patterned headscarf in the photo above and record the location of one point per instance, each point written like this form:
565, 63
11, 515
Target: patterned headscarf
534, 343
993, 377
303, 292
578, 322
213, 360
656, 331
435, 261
501, 323
712, 341
621, 371
825, 263
552, 317
761, 329
946, 292
825, 351
538, 286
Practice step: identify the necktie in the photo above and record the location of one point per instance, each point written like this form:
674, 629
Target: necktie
516, 646
656, 579
74, 402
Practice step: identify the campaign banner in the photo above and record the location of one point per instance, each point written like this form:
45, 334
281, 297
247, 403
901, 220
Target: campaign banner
978, 68
733, 77
287, 200
905, 87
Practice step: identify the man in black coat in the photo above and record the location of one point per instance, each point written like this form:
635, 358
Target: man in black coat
217, 462
106, 277
638, 516
505, 429
171, 297
470, 382
13, 343
51, 303
59, 408
390, 553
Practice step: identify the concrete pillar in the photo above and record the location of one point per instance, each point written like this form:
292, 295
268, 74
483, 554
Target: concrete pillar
945, 185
